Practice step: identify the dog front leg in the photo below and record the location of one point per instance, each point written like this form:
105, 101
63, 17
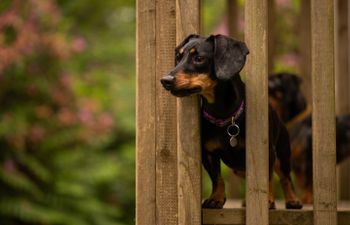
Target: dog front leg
211, 163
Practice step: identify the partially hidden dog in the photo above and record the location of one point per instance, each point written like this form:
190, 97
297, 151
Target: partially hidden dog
209, 67
287, 99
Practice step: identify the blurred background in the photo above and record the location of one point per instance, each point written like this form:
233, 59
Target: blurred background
67, 112
67, 105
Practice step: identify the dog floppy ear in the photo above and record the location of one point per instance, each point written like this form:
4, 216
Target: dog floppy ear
229, 56
181, 45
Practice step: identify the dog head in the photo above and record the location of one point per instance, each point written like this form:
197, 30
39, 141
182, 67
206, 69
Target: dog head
201, 62
285, 95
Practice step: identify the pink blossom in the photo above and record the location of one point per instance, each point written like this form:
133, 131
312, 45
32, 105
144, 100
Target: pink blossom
65, 80
10, 165
43, 111
36, 134
222, 28
283, 3
290, 59
79, 44
66, 117
85, 115
105, 122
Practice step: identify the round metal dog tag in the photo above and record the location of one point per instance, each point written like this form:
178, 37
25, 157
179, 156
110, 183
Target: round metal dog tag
233, 141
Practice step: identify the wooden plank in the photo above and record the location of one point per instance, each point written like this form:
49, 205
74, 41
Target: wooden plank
223, 216
323, 129
166, 147
145, 113
345, 167
280, 204
256, 36
277, 217
341, 58
305, 47
188, 135
342, 81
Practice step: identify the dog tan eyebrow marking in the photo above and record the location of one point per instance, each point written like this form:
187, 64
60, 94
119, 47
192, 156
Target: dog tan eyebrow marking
192, 50
181, 50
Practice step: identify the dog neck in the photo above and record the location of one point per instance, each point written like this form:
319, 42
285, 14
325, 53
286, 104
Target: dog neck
228, 97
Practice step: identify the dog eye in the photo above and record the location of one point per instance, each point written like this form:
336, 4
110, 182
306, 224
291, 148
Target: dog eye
198, 59
178, 57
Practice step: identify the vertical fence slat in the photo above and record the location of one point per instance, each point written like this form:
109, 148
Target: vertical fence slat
342, 84
341, 57
145, 113
188, 137
345, 170
166, 146
323, 127
256, 36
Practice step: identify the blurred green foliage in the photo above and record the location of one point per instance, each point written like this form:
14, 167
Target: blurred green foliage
67, 112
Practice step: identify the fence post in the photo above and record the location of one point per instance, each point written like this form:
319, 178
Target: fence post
323, 125
166, 120
156, 142
342, 84
188, 137
256, 36
145, 116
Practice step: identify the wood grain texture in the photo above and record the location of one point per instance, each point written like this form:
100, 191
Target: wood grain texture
342, 79
277, 217
256, 36
166, 122
342, 82
188, 137
324, 160
145, 113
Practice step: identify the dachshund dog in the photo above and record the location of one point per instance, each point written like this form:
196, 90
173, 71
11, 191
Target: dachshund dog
209, 67
287, 99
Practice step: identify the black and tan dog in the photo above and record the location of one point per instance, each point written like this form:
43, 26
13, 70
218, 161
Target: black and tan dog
210, 67
286, 97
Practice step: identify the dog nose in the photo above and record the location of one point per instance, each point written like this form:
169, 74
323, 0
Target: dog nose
168, 81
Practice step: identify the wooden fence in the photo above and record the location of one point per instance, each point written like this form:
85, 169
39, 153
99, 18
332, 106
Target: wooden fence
168, 164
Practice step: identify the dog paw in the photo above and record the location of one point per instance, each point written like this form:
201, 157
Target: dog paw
243, 203
272, 205
295, 204
307, 197
213, 203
